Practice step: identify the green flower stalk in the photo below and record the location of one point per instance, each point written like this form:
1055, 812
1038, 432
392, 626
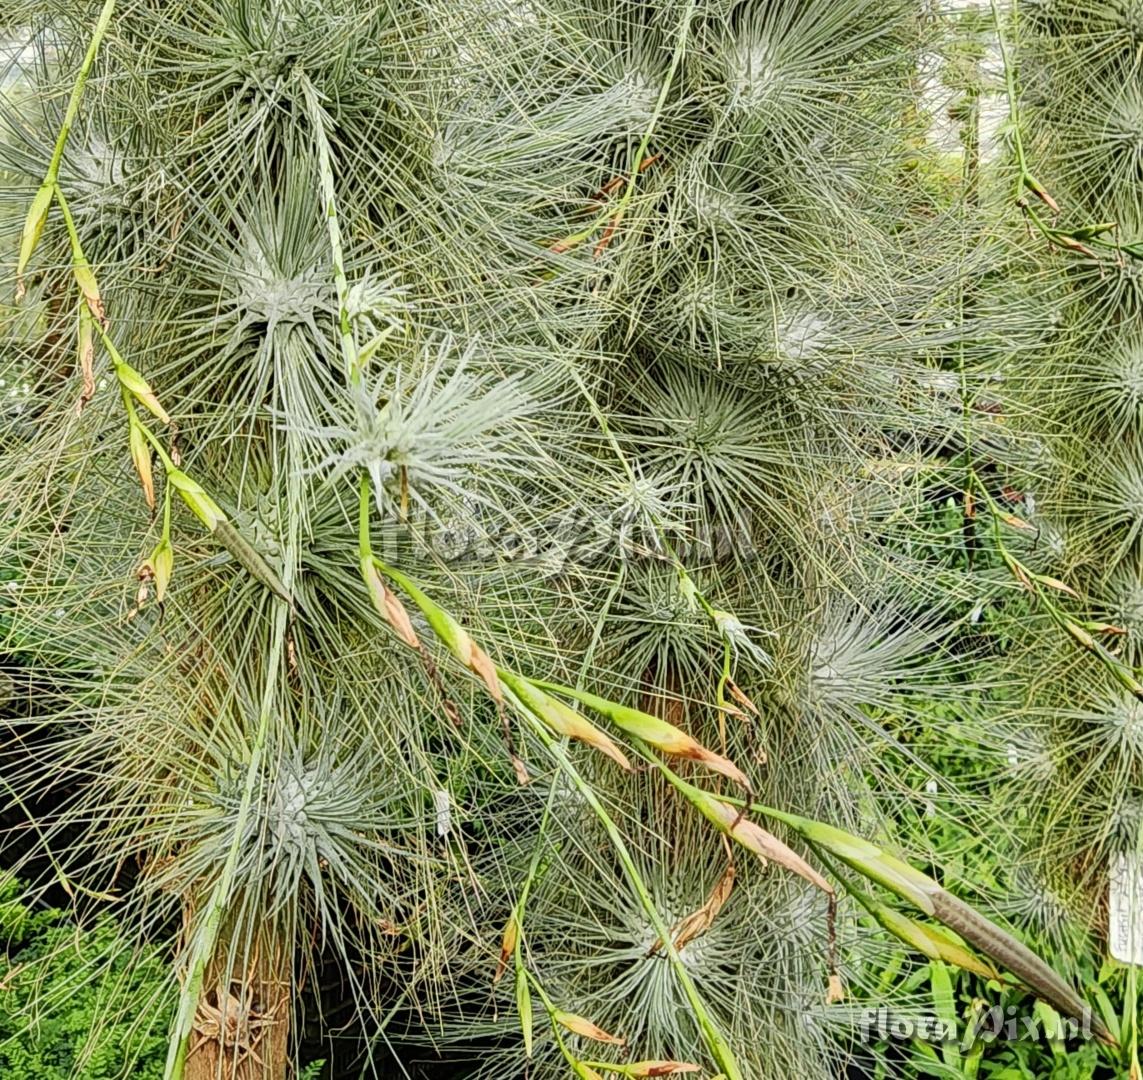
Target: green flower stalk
927, 895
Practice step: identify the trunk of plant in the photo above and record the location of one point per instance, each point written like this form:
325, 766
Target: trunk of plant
242, 1027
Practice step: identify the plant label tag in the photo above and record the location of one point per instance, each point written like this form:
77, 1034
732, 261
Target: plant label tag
1125, 920
442, 804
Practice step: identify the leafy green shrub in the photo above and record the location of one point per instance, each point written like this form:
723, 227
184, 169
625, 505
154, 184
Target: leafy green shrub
77, 1002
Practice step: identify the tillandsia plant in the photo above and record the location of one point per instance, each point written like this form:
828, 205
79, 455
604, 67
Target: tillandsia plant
561, 386
1072, 88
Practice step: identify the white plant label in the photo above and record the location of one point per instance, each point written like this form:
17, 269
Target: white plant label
443, 806
1125, 921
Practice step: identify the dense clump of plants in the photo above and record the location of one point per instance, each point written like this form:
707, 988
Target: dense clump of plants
511, 503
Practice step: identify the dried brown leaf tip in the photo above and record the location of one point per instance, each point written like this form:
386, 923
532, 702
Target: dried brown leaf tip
1021, 575
616, 182
86, 355
713, 761
1041, 193
139, 389
1014, 522
521, 770
740, 697
642, 1069
605, 239
480, 663
89, 289
1104, 628
399, 619
699, 922
388, 605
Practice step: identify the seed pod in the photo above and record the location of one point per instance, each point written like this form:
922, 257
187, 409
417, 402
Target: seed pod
213, 517
929, 896
33, 228
1014, 955
162, 564
249, 556
868, 860
1090, 232
561, 718
141, 456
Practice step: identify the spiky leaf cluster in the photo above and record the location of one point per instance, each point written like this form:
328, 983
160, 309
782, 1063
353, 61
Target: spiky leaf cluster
669, 358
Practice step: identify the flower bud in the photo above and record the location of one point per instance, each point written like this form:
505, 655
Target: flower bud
201, 504
33, 227
89, 288
141, 456
140, 389
524, 1008
162, 563
580, 1025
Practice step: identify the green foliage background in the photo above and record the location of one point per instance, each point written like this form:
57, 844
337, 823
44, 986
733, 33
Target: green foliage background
76, 1003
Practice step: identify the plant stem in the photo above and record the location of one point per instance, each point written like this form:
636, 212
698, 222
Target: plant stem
206, 935
325, 163
716, 1043
77, 89
614, 215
